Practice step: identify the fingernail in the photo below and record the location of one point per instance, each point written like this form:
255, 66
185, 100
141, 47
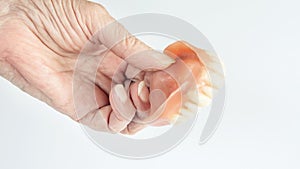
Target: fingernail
141, 93
121, 93
164, 60
147, 78
140, 87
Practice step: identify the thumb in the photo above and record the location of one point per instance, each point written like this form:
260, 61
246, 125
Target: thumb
115, 37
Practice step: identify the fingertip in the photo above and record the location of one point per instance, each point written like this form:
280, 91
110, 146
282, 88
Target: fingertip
119, 93
163, 60
123, 109
150, 60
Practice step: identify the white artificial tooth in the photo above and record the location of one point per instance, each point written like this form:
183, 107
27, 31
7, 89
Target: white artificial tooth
211, 60
217, 82
206, 79
214, 61
208, 91
212, 55
192, 96
204, 100
175, 118
191, 107
201, 84
184, 115
214, 69
185, 111
180, 119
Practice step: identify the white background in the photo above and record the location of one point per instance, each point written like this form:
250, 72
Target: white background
258, 41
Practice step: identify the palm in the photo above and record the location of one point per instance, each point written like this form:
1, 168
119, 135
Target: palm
45, 52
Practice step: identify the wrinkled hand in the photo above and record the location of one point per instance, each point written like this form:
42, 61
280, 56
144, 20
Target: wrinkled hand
167, 96
59, 51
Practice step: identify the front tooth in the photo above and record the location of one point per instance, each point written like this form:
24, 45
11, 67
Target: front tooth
184, 115
206, 90
213, 55
185, 111
191, 107
204, 100
192, 96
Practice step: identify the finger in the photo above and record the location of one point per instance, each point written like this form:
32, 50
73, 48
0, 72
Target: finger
133, 128
158, 100
140, 97
95, 56
116, 38
149, 60
123, 109
113, 67
87, 97
134, 73
98, 120
103, 82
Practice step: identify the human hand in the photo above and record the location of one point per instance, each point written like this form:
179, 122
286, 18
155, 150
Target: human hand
41, 41
165, 96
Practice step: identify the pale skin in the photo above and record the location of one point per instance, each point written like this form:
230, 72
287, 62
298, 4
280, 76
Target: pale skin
40, 46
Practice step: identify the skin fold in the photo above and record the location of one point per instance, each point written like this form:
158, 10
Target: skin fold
40, 46
74, 56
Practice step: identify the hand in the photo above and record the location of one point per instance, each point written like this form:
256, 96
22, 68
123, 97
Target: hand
165, 96
41, 41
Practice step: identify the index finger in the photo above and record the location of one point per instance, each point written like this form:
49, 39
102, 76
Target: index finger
115, 37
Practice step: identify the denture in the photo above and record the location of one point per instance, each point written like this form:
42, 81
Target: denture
160, 88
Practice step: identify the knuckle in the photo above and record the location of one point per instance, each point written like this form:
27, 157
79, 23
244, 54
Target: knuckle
97, 8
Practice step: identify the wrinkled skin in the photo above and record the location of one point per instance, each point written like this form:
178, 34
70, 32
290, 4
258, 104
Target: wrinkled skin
40, 43
71, 55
